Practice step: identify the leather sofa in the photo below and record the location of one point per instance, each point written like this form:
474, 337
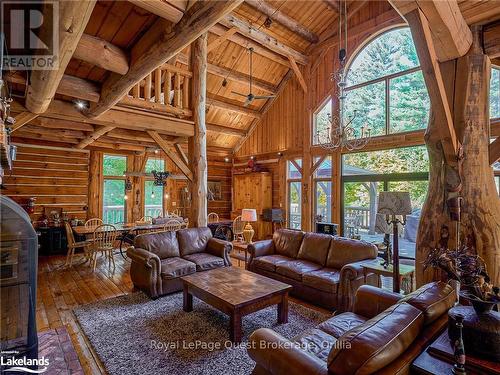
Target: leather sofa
322, 269
383, 334
160, 259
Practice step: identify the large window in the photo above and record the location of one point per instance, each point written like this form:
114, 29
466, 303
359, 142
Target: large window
322, 181
321, 123
495, 93
114, 188
153, 194
365, 174
294, 193
385, 86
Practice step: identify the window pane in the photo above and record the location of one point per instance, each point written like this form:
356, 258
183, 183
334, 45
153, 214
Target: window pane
114, 165
495, 93
409, 103
324, 170
323, 201
155, 164
114, 201
293, 172
360, 208
153, 199
369, 104
390, 53
322, 124
294, 205
398, 160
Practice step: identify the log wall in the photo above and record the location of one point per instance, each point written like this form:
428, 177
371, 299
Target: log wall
56, 177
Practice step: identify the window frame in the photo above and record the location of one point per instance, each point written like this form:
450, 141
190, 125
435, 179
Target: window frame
289, 182
113, 177
150, 178
318, 109
316, 180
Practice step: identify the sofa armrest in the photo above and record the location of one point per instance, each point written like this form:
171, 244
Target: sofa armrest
145, 271
371, 301
220, 248
260, 248
277, 355
351, 278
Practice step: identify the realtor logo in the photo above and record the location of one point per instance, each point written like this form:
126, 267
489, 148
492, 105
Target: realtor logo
31, 32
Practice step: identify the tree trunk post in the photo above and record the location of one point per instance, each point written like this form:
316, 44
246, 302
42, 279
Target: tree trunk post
198, 143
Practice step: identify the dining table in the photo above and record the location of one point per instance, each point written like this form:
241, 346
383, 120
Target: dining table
126, 231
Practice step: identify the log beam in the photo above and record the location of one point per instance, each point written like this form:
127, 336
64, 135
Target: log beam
276, 15
221, 39
433, 77
298, 74
94, 136
171, 154
263, 38
22, 119
197, 145
73, 17
160, 43
181, 153
450, 33
494, 150
160, 8
491, 40
222, 103
102, 53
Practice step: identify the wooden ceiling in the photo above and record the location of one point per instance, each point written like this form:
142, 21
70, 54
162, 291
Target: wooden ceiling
298, 28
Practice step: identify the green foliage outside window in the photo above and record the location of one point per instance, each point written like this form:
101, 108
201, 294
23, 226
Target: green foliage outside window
114, 165
495, 93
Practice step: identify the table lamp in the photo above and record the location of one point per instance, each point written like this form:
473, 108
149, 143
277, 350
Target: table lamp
395, 204
249, 215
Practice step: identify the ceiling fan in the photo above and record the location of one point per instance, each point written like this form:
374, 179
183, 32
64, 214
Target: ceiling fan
250, 96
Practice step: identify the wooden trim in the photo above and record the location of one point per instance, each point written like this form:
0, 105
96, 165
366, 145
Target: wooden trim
221, 38
491, 40
221, 102
181, 153
22, 119
296, 165
494, 150
94, 136
298, 73
73, 18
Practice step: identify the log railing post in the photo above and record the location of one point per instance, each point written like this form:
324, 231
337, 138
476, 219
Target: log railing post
147, 88
198, 143
158, 85
167, 87
177, 90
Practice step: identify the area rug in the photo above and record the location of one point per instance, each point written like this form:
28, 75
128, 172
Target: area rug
133, 334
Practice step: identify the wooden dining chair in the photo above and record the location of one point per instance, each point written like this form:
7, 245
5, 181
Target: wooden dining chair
238, 227
213, 217
94, 222
103, 242
148, 219
72, 245
172, 225
175, 213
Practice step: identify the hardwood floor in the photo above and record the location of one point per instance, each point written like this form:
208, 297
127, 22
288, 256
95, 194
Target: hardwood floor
61, 289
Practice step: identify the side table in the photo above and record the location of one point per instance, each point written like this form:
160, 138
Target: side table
240, 247
406, 273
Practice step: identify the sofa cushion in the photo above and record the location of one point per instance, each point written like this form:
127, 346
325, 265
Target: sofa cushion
163, 244
374, 344
205, 261
325, 279
287, 242
172, 268
193, 240
340, 324
345, 250
316, 342
433, 299
269, 262
315, 247
294, 269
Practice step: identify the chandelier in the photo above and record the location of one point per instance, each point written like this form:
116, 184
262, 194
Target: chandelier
340, 133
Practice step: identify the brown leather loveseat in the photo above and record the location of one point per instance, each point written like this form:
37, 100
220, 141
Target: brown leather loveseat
383, 335
160, 259
322, 269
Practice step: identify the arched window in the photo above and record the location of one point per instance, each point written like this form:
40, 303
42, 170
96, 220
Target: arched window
385, 85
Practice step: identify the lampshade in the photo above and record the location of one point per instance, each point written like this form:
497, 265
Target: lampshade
381, 225
394, 203
248, 214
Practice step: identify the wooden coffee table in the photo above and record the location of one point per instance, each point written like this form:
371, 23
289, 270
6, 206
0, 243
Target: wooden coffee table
236, 292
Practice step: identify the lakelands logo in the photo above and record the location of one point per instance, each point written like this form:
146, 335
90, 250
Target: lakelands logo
31, 32
26, 365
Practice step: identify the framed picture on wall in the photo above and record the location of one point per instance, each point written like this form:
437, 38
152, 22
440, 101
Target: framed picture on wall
214, 192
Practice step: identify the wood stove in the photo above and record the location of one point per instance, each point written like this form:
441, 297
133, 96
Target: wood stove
18, 273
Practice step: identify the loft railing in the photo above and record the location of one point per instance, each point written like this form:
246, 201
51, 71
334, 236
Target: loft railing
166, 89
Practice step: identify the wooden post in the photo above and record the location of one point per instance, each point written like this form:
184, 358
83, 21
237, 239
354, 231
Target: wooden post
95, 185
198, 143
